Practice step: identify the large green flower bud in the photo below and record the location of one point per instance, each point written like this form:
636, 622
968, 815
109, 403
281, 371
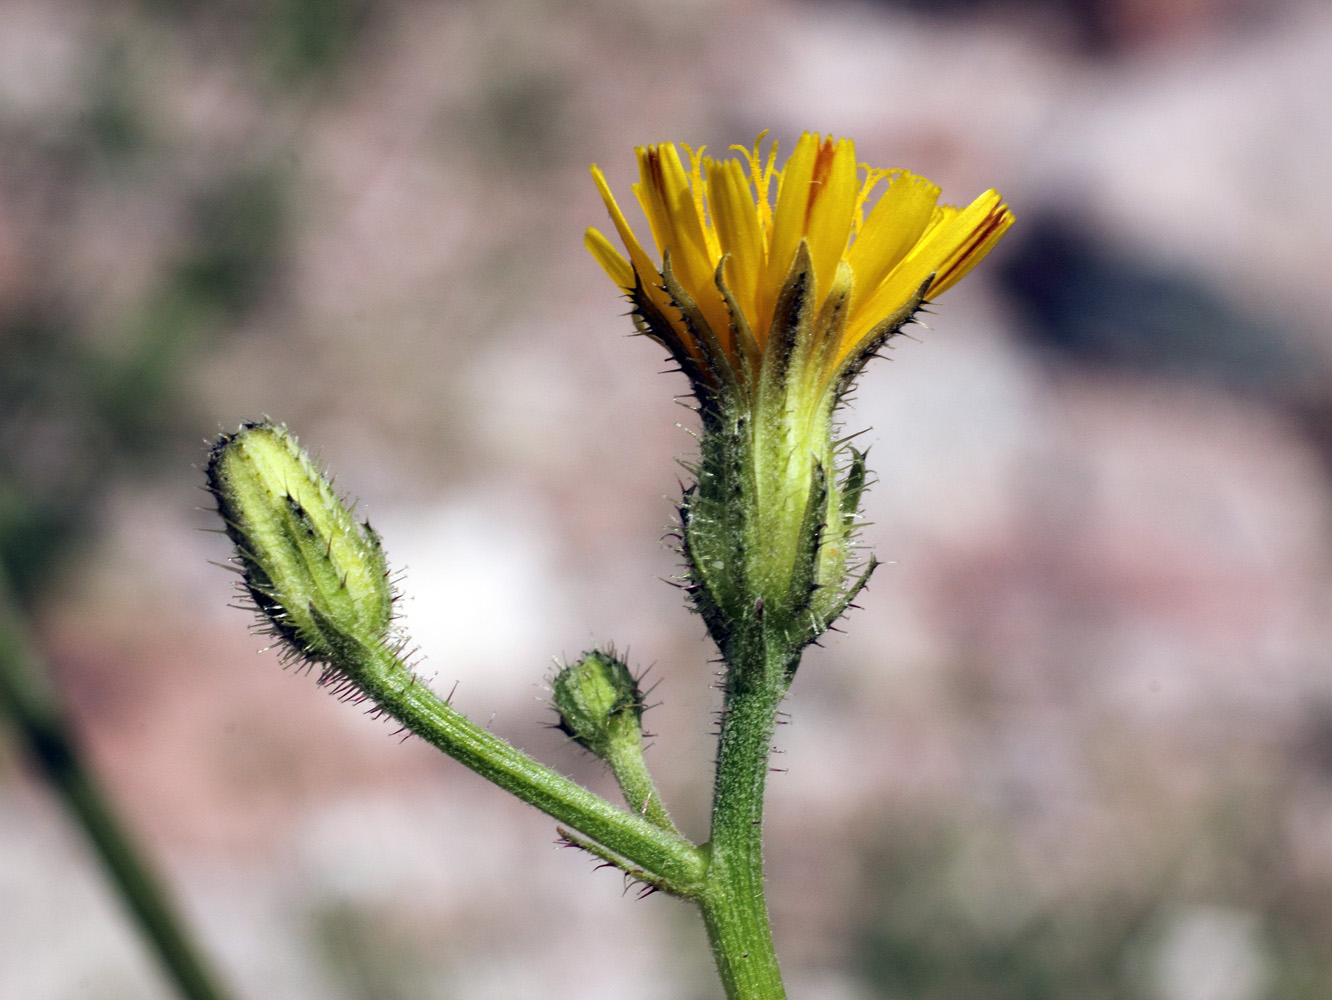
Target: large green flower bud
317, 576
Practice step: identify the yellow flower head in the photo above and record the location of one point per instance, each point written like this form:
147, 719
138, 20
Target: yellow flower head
731, 248
774, 287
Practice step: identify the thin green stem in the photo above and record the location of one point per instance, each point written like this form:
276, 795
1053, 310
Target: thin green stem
41, 723
625, 757
734, 908
677, 864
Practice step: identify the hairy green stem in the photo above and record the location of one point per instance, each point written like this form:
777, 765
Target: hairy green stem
26, 695
625, 758
677, 864
734, 908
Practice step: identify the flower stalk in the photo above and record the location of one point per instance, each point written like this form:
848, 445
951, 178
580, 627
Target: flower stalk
734, 903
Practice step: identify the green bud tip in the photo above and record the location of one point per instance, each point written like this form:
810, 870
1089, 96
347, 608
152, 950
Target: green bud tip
599, 702
317, 576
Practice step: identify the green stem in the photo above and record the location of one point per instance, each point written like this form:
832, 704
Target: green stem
625, 758
30, 701
734, 908
677, 864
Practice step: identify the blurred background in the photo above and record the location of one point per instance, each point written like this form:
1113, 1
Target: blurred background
1077, 742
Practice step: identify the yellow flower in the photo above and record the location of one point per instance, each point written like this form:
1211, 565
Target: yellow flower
730, 250
774, 287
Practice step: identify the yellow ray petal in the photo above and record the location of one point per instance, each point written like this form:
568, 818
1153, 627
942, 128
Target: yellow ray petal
984, 221
893, 227
642, 263
830, 208
954, 242
788, 221
739, 233
674, 213
610, 259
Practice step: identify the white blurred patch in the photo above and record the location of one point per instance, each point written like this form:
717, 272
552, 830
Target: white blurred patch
481, 592
1211, 953
40, 50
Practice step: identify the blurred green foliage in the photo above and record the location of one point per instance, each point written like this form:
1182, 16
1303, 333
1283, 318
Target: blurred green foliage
928, 935
954, 911
313, 38
85, 399
74, 414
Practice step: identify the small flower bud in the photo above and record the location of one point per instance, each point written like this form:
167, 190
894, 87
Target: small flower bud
317, 576
599, 702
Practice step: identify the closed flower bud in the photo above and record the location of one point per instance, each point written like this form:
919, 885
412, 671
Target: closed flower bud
316, 575
599, 702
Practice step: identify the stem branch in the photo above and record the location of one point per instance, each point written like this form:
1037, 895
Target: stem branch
677, 864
